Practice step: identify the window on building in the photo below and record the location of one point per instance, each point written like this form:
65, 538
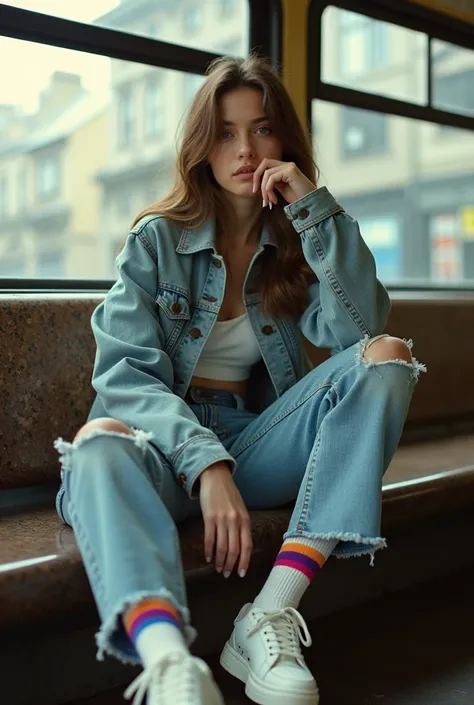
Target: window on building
455, 91
363, 132
445, 248
12, 266
124, 203
22, 189
47, 176
126, 117
453, 77
3, 195
153, 107
228, 7
382, 235
232, 47
191, 84
50, 264
363, 43
193, 20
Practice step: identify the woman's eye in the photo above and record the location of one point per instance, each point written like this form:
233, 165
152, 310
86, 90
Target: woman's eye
264, 130
225, 135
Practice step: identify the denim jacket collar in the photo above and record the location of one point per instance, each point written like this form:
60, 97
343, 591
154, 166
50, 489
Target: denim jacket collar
204, 238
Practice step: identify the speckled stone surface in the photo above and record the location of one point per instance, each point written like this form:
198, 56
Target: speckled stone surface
47, 352
41, 571
46, 358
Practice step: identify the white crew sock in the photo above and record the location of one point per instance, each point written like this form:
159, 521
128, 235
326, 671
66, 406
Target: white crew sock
295, 566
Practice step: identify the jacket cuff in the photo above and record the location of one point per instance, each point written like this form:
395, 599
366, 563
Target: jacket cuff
195, 456
312, 209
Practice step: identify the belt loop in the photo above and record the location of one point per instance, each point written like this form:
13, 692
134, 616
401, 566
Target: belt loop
239, 401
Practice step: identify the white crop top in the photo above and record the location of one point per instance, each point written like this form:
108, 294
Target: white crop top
230, 351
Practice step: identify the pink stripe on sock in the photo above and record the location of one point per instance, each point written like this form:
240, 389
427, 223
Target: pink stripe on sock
287, 563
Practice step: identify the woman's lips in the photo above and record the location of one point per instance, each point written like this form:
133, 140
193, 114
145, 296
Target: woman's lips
244, 176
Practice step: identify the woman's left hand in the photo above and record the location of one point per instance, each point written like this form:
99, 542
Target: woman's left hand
285, 177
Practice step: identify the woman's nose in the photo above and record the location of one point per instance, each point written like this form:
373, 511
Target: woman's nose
245, 148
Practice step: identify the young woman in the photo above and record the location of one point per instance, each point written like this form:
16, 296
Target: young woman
204, 403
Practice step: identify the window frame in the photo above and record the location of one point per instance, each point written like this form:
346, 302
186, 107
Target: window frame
410, 15
265, 38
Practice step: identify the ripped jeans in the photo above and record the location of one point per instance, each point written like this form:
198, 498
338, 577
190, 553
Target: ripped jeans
326, 443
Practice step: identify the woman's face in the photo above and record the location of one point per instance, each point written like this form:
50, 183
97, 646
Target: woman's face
246, 138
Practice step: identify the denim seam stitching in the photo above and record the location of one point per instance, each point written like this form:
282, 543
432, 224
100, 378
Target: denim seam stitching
279, 418
93, 567
309, 475
308, 484
337, 288
174, 288
138, 231
289, 332
148, 246
194, 439
319, 217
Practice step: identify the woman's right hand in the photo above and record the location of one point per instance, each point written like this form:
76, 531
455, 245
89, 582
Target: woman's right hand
227, 533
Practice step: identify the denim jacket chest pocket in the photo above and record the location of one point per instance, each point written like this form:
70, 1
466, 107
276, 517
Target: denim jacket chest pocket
175, 313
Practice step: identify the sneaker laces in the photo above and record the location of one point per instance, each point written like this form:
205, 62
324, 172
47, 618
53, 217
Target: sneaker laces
181, 681
283, 630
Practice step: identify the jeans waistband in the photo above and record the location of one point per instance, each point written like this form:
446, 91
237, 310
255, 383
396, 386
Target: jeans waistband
203, 395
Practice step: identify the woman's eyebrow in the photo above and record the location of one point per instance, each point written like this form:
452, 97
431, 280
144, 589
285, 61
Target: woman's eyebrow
229, 123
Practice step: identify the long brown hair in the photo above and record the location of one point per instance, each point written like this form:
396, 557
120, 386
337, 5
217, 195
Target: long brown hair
196, 197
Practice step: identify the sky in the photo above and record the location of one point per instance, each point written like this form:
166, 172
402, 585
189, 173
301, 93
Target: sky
34, 63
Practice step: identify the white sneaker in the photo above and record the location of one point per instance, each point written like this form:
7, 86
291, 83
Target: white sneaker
264, 652
176, 679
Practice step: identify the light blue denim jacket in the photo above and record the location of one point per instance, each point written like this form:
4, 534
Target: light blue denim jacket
154, 322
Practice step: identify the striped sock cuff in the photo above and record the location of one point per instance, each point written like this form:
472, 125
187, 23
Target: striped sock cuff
299, 556
150, 612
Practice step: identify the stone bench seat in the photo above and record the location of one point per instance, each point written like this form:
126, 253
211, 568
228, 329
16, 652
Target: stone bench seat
45, 371
41, 571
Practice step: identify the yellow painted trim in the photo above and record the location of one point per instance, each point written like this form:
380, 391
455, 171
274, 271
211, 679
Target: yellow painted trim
295, 54
446, 9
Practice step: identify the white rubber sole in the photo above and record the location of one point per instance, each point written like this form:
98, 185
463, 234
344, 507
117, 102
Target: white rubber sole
258, 690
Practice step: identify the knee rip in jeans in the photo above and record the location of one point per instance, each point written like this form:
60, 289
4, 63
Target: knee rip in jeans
65, 448
414, 366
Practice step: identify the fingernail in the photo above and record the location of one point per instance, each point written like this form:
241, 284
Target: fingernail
243, 573
226, 573
263, 206
218, 569
271, 205
208, 559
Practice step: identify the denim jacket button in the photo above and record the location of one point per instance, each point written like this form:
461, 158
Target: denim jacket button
176, 307
303, 213
217, 263
182, 478
267, 330
195, 333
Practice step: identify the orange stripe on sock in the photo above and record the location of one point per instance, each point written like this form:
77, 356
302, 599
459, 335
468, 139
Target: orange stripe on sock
145, 606
306, 551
